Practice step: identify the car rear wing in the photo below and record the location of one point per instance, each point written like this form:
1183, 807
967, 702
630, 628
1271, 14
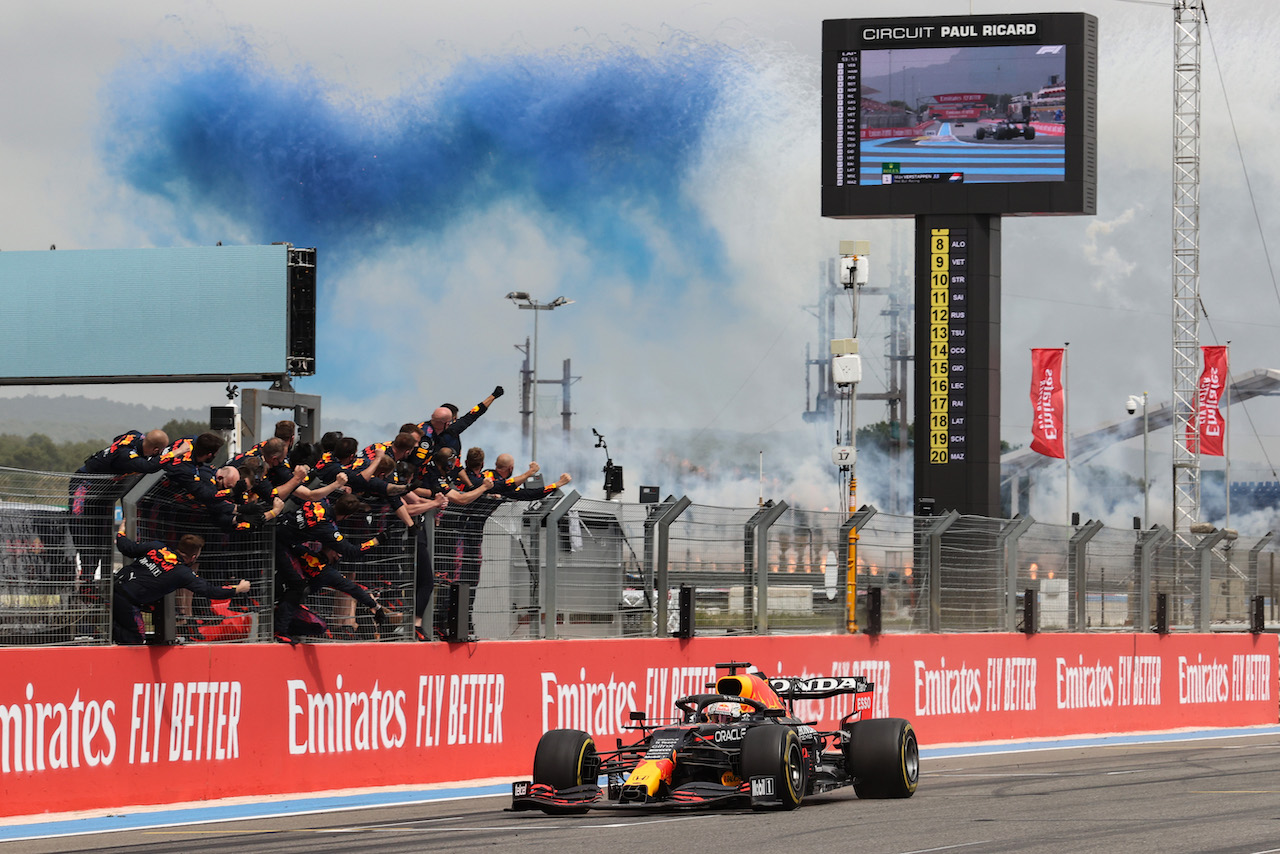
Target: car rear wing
819, 687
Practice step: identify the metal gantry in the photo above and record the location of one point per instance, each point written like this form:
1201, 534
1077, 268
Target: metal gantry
1186, 264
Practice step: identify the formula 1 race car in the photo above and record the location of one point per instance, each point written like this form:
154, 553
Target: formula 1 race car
739, 746
1006, 129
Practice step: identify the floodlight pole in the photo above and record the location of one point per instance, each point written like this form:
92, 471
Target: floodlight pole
1146, 477
525, 302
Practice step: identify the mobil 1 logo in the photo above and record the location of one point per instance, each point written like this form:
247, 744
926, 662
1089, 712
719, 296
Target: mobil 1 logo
762, 789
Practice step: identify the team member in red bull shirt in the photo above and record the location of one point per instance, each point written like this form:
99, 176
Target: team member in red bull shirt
157, 572
92, 500
444, 430
301, 538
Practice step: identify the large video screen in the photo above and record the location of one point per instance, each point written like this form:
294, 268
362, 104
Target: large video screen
156, 315
982, 114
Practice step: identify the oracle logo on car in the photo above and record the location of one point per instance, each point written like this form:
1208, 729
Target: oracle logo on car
731, 734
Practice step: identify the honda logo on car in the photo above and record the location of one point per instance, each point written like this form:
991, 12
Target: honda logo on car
819, 684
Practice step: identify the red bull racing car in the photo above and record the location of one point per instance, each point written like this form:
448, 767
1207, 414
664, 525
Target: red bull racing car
738, 746
1006, 129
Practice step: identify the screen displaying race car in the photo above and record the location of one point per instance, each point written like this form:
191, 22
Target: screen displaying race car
992, 114
737, 745
913, 121
1006, 129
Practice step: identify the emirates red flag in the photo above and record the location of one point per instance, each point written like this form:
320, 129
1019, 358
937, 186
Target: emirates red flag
1209, 421
1048, 402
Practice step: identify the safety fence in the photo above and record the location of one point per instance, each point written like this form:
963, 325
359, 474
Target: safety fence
570, 567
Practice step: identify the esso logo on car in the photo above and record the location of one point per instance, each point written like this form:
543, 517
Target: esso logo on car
862, 703
731, 734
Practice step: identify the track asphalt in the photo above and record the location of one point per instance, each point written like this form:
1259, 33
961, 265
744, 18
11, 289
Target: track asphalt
140, 818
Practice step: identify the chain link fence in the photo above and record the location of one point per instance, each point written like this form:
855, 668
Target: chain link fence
48, 595
568, 567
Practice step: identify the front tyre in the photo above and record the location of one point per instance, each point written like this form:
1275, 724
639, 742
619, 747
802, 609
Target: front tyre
565, 758
883, 757
774, 751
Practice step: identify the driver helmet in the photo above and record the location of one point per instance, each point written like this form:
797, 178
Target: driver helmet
723, 712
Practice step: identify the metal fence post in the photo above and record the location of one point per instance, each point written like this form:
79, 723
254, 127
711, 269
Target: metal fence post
1077, 563
756, 563
1148, 542
1254, 552
933, 537
845, 586
661, 525
1008, 543
550, 557
1204, 556
129, 503
426, 532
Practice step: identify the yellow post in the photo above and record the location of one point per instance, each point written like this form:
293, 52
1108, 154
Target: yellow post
851, 570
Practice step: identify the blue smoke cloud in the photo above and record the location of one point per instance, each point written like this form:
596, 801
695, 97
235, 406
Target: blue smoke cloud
588, 141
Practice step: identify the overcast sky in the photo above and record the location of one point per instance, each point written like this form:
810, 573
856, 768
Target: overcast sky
690, 263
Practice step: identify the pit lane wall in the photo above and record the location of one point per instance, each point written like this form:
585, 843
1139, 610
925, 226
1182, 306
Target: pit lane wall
111, 727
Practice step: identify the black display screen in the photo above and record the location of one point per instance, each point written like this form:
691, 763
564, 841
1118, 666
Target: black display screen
986, 114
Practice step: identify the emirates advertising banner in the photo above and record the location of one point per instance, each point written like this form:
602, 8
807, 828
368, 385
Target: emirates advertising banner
111, 727
1048, 402
1206, 434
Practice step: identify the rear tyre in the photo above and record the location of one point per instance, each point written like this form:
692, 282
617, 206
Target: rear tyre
980, 133
774, 751
1029, 132
565, 758
883, 757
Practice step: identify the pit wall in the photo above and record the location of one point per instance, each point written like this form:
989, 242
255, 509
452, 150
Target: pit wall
113, 727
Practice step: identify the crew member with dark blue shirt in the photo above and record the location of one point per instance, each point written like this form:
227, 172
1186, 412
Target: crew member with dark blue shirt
191, 487
156, 572
318, 566
444, 430
92, 500
301, 540
442, 480
332, 462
